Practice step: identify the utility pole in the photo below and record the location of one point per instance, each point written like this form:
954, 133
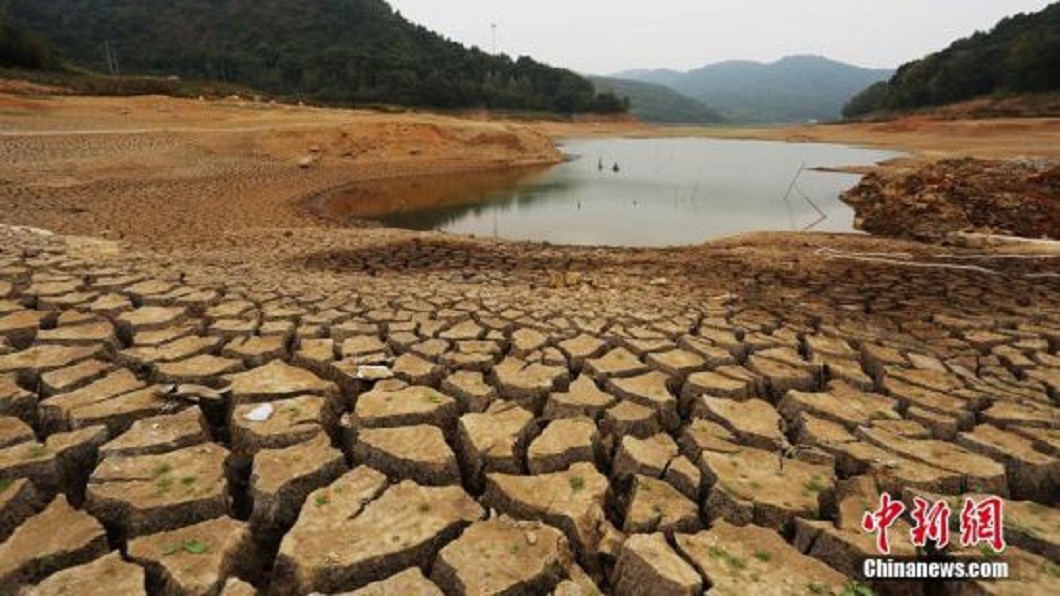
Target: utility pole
493, 26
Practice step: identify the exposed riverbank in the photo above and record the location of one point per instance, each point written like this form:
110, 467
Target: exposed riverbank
170, 174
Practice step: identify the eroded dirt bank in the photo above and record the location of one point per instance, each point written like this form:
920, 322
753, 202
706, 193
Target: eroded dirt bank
1016, 197
168, 173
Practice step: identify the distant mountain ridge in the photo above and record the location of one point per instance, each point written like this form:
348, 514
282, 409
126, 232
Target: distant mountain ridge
657, 103
792, 89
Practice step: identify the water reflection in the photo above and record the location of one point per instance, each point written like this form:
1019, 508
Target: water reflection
405, 195
665, 192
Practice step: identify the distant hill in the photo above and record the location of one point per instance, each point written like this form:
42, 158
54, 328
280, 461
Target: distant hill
793, 89
656, 103
659, 76
327, 50
1020, 55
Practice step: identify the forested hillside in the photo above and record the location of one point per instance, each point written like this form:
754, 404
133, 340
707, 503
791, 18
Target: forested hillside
327, 50
1020, 55
656, 103
20, 49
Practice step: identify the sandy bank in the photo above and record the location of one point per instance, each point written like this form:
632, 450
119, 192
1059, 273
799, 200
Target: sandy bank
168, 173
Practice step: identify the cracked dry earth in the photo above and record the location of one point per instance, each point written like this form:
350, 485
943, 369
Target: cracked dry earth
198, 432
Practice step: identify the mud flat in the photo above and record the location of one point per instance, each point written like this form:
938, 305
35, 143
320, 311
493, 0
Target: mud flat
566, 416
169, 173
212, 404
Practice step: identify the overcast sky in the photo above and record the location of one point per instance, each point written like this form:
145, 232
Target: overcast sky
606, 36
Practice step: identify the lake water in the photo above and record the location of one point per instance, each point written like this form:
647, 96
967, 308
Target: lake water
665, 192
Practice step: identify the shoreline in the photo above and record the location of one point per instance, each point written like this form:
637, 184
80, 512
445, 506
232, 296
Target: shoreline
317, 203
244, 166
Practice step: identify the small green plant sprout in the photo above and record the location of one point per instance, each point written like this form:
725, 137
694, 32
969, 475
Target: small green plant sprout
814, 484
717, 552
195, 547
577, 483
164, 483
854, 588
818, 588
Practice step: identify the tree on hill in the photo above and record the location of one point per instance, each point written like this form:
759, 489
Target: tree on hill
340, 51
21, 49
1020, 55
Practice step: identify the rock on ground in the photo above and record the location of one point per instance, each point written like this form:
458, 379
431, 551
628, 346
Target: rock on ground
106, 576
572, 500
410, 581
281, 478
502, 556
148, 493
648, 566
194, 559
749, 559
417, 453
355, 532
57, 538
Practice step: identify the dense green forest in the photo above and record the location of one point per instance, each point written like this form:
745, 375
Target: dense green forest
20, 49
1020, 55
656, 103
337, 51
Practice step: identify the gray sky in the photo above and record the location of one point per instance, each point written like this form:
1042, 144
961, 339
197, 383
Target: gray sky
605, 36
